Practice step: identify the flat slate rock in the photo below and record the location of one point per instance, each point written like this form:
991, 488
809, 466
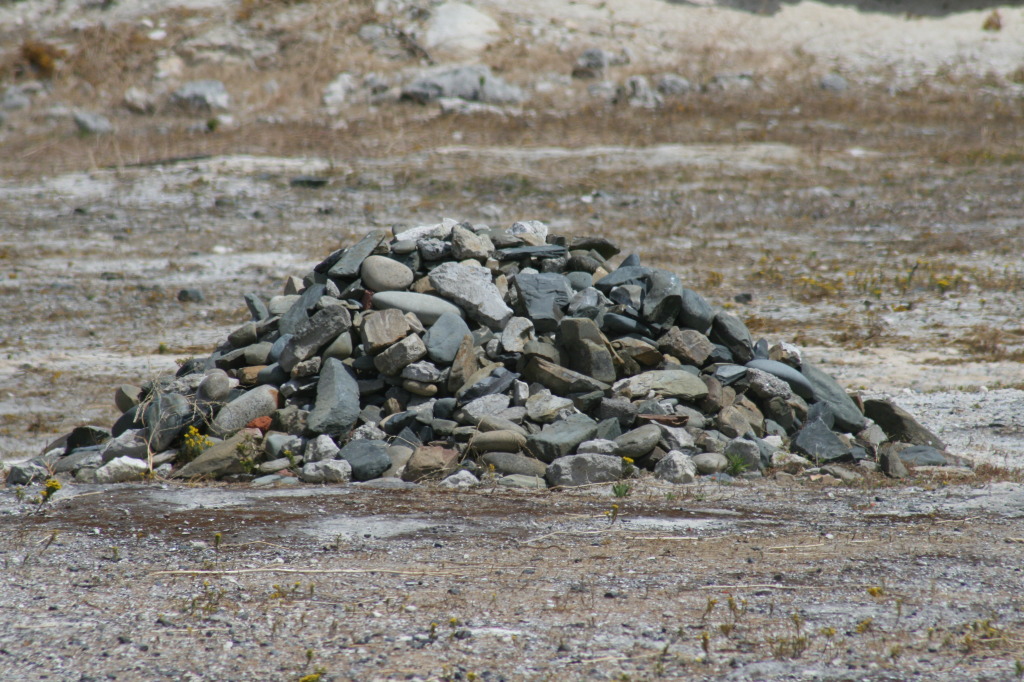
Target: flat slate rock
524, 252
923, 455
560, 438
796, 380
899, 425
444, 338
352, 259
816, 441
847, 415
368, 458
424, 306
337, 400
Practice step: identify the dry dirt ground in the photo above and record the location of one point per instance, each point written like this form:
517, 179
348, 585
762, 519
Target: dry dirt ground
879, 228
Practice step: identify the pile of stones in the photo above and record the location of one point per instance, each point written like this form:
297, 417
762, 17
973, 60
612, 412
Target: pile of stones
464, 353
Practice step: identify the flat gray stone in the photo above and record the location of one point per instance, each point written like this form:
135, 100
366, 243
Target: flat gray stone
444, 337
545, 408
688, 345
460, 481
668, 383
351, 261
473, 290
816, 441
745, 452
797, 381
544, 298
382, 329
165, 417
638, 442
508, 463
847, 415
731, 332
900, 425
393, 360
561, 438
320, 448
517, 333
467, 244
710, 463
523, 482
337, 400
696, 312
121, 470
219, 459
586, 469
502, 440
922, 455
312, 334
380, 273
561, 380
424, 306
326, 471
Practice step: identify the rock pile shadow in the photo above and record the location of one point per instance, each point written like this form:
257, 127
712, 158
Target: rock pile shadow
459, 353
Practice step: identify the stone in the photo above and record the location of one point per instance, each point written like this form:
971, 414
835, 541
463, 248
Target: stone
743, 453
501, 440
257, 402
326, 471
393, 360
444, 338
890, 462
127, 396
543, 298
474, 83
422, 371
488, 380
560, 380
350, 262
922, 455
201, 97
673, 438
368, 458
544, 408
848, 416
732, 422
382, 329
91, 458
688, 345
676, 467
380, 273
523, 482
600, 446
665, 383
621, 409
586, 469
165, 418
466, 244
399, 456
312, 334
460, 481
638, 442
299, 310
845, 475
337, 400
121, 470
516, 334
710, 463
898, 424
509, 463
767, 386
560, 439
91, 123
475, 410
320, 448
816, 441
465, 364
664, 298
496, 423
431, 462
24, 473
729, 330
131, 443
696, 313
219, 459
473, 290
796, 380
833, 82
340, 348
424, 306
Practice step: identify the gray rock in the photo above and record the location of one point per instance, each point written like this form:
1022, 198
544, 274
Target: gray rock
394, 359
621, 409
638, 442
673, 438
320, 448
523, 482
899, 425
202, 96
337, 400
257, 402
460, 481
696, 312
84, 458
444, 337
399, 456
340, 348
576, 470
561, 438
121, 470
842, 473
675, 467
816, 441
475, 410
349, 264
299, 310
472, 289
665, 383
600, 446
672, 85
165, 417
545, 408
745, 453
710, 463
922, 455
24, 473
131, 443
688, 345
315, 332
90, 123
498, 441
382, 329
277, 444
847, 415
442, 230
430, 462
833, 82
561, 380
422, 371
380, 273
473, 83
732, 422
890, 463
797, 381
543, 298
218, 459
466, 244
368, 458
509, 463
767, 386
425, 307
326, 471
729, 330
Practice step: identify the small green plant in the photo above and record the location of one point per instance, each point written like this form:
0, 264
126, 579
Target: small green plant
737, 465
621, 489
193, 444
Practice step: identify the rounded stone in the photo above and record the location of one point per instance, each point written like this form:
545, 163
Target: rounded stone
419, 388
380, 273
426, 307
710, 463
498, 441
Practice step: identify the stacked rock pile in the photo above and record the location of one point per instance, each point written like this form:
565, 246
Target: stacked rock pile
455, 351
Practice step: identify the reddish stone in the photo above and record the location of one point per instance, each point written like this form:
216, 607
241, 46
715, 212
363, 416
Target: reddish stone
261, 423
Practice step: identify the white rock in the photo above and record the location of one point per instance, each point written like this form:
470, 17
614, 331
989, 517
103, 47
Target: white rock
673, 438
458, 29
471, 288
676, 467
338, 91
122, 469
599, 446
517, 333
529, 227
326, 471
321, 448
462, 479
